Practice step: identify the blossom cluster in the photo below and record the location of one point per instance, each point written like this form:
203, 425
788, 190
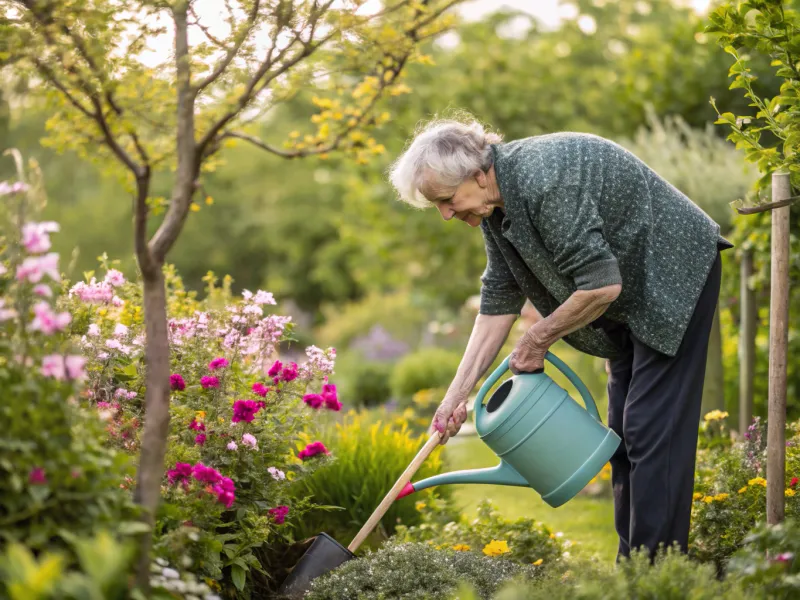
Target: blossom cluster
312, 449
222, 487
327, 397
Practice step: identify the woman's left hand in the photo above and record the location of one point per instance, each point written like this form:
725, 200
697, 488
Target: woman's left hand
528, 356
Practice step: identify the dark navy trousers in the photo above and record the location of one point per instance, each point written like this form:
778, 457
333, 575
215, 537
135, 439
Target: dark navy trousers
654, 406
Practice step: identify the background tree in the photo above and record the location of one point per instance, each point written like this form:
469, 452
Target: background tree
168, 121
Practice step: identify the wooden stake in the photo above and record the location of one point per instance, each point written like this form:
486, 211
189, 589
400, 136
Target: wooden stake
778, 347
747, 343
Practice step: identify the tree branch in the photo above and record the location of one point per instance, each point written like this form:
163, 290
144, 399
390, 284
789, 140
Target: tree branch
232, 51
50, 76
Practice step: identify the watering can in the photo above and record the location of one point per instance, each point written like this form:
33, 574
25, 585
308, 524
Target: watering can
544, 439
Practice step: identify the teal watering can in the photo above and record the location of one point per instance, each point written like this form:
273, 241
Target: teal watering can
544, 438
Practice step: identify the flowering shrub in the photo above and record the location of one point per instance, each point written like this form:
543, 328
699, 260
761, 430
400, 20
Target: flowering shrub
522, 540
769, 559
56, 475
369, 459
418, 571
730, 492
235, 411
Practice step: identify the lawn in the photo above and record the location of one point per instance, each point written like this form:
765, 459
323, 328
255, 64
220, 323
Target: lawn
587, 522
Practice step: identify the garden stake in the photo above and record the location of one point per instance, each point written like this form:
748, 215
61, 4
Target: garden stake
325, 553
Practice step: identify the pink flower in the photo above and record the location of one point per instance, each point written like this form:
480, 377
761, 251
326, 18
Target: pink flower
42, 290
13, 188
200, 439
205, 474
289, 373
75, 366
312, 449
53, 366
120, 330
176, 383
785, 557
93, 330
313, 400
330, 397
114, 278
195, 425
245, 410
94, 292
35, 236
37, 476
275, 368
47, 320
218, 363
6, 314
225, 491
263, 297
279, 513
34, 268
125, 394
250, 440
793, 482
180, 474
232, 446
260, 389
209, 381
276, 473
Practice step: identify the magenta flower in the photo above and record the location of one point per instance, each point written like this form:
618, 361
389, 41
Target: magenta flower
245, 410
313, 400
312, 449
196, 426
218, 363
275, 368
176, 383
289, 373
209, 381
205, 474
225, 491
37, 476
784, 557
200, 439
180, 474
279, 513
330, 397
260, 389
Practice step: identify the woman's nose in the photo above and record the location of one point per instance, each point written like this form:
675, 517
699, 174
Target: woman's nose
447, 212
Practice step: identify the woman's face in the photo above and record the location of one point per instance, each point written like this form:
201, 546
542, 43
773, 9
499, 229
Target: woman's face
467, 202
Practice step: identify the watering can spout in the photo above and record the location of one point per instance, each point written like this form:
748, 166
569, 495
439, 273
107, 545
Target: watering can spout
502, 474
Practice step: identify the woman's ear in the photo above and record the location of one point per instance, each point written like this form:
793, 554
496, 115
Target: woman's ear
481, 178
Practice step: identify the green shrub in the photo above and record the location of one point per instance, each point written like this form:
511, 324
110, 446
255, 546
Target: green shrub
770, 560
424, 369
730, 493
362, 382
415, 572
368, 459
672, 577
527, 541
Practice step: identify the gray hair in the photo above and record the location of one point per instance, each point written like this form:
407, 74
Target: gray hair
442, 155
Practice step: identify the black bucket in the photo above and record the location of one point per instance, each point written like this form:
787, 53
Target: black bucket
324, 555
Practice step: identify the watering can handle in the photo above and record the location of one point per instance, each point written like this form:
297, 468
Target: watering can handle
591, 407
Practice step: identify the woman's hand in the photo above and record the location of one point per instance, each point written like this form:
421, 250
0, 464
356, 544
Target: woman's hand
449, 418
528, 356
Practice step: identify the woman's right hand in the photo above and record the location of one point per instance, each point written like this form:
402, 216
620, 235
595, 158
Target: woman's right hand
449, 418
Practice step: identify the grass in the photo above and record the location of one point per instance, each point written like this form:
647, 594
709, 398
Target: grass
587, 522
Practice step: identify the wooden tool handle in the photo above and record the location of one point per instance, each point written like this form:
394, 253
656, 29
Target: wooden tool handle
389, 499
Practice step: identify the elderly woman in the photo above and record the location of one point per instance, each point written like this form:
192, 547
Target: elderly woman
616, 261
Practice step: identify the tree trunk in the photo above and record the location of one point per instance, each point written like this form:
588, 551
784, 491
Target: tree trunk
156, 421
714, 384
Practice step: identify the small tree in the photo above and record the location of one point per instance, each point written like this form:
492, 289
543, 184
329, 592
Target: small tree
771, 28
229, 66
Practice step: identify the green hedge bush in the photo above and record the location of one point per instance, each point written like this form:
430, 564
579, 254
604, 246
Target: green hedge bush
424, 369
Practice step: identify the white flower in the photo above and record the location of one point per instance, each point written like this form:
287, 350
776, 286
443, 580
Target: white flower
170, 573
276, 473
120, 330
250, 440
232, 446
93, 330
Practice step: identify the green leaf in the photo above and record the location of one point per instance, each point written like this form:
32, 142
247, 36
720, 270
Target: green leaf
133, 527
238, 576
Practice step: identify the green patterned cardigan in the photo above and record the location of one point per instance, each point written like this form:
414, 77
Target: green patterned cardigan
581, 212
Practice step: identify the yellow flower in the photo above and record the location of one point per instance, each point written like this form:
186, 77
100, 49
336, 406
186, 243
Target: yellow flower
209, 200
294, 135
552, 536
758, 481
708, 499
715, 415
720, 497
194, 207
200, 414
496, 548
697, 496
789, 492
461, 548
743, 490
536, 563
420, 505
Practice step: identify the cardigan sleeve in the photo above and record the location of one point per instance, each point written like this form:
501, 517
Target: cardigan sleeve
571, 227
500, 293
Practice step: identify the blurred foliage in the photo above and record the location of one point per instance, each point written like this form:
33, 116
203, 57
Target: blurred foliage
424, 369
362, 382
